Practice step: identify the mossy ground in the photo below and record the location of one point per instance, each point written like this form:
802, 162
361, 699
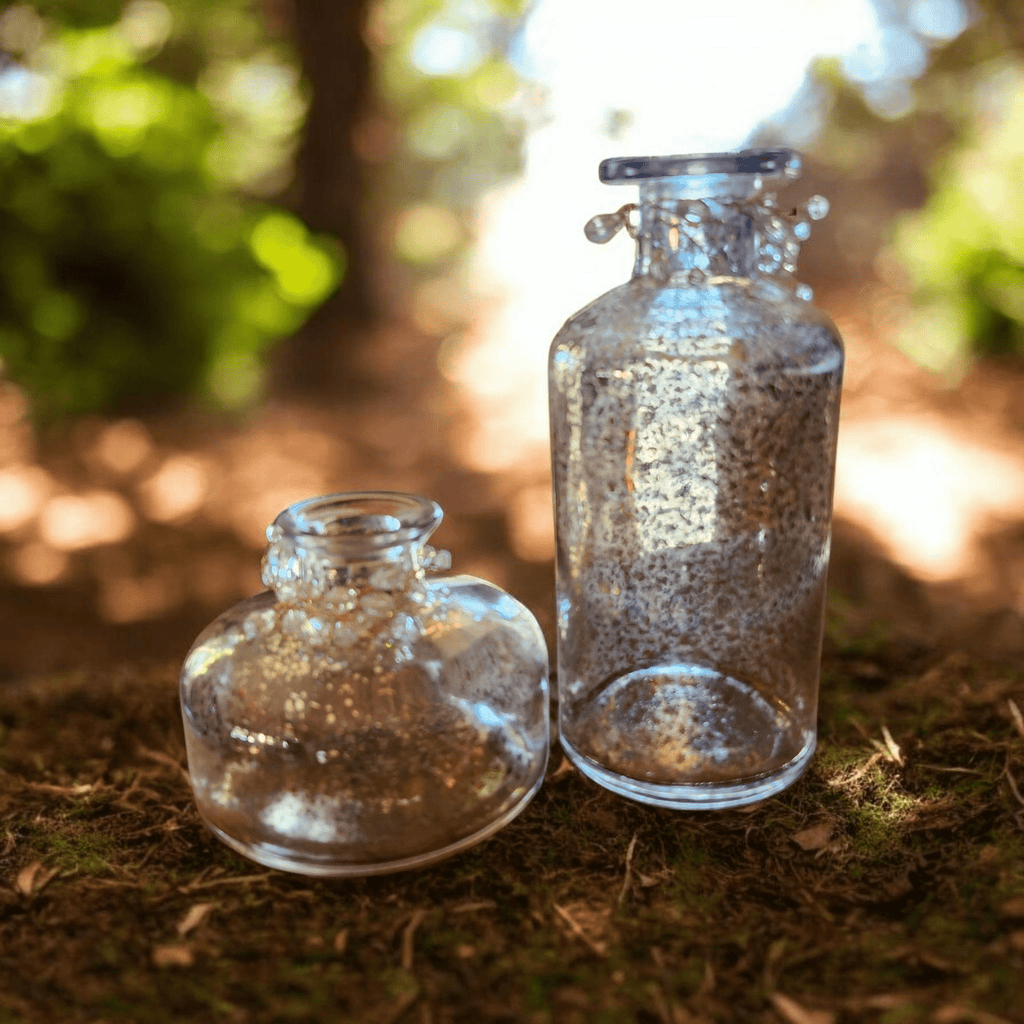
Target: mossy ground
887, 885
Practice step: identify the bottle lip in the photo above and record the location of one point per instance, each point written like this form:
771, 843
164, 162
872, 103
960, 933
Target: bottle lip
774, 163
374, 519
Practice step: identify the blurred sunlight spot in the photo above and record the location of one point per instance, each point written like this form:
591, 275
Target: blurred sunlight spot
889, 53
304, 273
445, 50
70, 522
121, 114
122, 447
23, 489
261, 106
176, 490
38, 564
146, 25
927, 491
425, 232
25, 95
940, 19
531, 524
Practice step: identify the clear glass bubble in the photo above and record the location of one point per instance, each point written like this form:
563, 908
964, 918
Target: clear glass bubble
604, 227
817, 207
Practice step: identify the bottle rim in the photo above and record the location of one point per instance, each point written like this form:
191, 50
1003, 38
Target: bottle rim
375, 519
773, 163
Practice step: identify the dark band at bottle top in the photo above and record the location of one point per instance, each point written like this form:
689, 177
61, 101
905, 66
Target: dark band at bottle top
623, 170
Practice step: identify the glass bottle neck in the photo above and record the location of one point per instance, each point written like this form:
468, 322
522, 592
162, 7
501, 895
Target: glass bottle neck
697, 226
327, 550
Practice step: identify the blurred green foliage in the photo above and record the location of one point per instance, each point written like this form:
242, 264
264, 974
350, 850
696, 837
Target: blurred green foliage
964, 250
138, 262
444, 81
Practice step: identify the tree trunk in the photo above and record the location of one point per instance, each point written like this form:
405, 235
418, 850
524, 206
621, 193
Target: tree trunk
319, 361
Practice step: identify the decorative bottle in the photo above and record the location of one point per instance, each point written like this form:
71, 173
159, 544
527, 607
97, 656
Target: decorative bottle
694, 412
364, 715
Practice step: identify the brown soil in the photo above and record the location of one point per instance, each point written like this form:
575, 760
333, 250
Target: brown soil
886, 885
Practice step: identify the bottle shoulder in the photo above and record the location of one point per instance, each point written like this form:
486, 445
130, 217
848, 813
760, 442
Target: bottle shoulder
699, 321
450, 613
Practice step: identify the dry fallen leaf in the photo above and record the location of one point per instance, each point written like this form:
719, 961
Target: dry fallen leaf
196, 915
173, 954
32, 878
793, 1012
814, 838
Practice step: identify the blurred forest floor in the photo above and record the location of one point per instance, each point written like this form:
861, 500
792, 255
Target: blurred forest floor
124, 537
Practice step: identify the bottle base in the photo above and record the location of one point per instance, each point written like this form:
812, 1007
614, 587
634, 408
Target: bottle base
695, 796
335, 864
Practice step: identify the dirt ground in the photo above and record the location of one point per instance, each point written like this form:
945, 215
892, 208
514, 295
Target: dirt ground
886, 885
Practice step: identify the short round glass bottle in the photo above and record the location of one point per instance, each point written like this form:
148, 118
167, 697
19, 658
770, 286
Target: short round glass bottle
694, 412
364, 715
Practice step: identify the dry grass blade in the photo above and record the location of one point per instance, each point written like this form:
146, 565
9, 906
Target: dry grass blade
892, 746
45, 787
596, 947
794, 1013
231, 880
629, 870
1013, 783
469, 908
1016, 714
408, 934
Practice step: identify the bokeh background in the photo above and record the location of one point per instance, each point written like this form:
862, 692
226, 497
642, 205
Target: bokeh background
254, 251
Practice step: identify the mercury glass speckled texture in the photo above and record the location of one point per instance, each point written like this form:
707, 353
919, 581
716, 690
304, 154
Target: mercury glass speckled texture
694, 413
363, 715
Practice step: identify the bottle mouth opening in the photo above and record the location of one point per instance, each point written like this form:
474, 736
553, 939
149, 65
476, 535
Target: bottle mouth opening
374, 519
776, 164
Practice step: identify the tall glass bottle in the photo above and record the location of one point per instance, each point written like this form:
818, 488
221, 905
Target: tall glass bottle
364, 715
694, 412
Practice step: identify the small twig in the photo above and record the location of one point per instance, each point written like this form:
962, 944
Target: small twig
629, 870
943, 768
595, 947
408, 934
468, 908
867, 765
1018, 717
238, 880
